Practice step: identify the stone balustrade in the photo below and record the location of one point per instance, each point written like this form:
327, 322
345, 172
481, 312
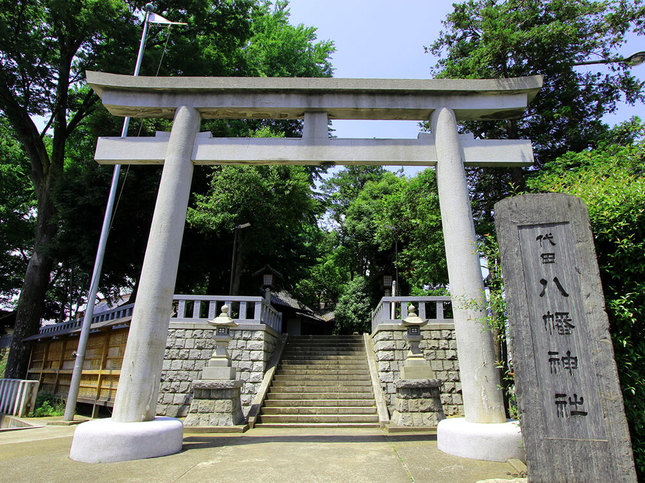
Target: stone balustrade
439, 348
391, 310
186, 308
189, 347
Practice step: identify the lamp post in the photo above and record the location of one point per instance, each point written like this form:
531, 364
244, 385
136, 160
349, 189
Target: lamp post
633, 60
267, 283
234, 254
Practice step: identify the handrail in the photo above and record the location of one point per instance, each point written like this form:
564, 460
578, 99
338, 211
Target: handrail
188, 308
392, 310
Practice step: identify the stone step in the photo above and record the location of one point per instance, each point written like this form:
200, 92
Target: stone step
319, 395
322, 388
307, 378
316, 425
324, 357
320, 410
322, 352
318, 365
324, 370
322, 381
327, 381
299, 363
319, 418
280, 403
332, 346
318, 338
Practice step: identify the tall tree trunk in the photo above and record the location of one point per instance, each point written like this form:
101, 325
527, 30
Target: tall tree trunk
34, 288
46, 170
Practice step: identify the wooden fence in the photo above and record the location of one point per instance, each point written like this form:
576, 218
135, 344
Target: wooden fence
53, 349
52, 362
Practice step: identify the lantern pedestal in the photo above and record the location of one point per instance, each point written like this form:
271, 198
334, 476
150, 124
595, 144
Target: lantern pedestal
216, 404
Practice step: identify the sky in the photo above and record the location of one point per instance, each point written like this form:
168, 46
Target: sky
385, 39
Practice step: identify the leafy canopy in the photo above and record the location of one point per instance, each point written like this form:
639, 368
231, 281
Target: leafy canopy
513, 38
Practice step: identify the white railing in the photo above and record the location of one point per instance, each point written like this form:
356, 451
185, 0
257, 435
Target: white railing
244, 310
17, 396
189, 308
391, 310
64, 327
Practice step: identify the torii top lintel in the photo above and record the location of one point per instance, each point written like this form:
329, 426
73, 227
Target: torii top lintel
290, 98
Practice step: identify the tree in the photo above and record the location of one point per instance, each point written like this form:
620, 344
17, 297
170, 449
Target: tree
512, 38
611, 181
387, 223
16, 213
45, 49
277, 201
353, 311
411, 219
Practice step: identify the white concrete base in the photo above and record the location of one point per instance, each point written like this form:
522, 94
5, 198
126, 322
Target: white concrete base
106, 441
490, 442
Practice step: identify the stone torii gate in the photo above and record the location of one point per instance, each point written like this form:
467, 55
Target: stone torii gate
133, 432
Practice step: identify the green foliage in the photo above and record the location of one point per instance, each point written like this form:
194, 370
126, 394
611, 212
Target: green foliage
324, 281
497, 321
17, 205
611, 181
387, 223
277, 201
48, 405
279, 49
232, 37
414, 213
512, 38
354, 308
3, 363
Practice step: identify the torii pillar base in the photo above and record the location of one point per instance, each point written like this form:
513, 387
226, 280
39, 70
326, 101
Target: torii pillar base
107, 441
488, 442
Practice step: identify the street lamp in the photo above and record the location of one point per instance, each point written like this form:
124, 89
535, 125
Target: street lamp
234, 254
633, 60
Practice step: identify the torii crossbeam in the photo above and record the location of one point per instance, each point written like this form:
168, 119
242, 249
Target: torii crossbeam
189, 99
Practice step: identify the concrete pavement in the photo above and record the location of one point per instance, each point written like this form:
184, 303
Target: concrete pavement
259, 455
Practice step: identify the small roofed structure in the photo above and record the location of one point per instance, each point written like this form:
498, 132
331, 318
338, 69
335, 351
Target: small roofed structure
298, 319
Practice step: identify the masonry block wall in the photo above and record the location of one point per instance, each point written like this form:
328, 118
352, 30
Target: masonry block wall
440, 350
190, 345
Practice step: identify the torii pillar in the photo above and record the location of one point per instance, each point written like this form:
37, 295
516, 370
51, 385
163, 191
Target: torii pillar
134, 432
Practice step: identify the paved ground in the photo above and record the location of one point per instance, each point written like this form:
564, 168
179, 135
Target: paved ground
260, 455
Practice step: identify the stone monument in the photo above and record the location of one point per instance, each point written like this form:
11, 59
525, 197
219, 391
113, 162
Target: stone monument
571, 407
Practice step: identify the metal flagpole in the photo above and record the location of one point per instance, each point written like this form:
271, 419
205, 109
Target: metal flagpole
72, 396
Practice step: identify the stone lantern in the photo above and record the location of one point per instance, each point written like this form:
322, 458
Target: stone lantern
415, 366
216, 398
219, 365
418, 398
387, 285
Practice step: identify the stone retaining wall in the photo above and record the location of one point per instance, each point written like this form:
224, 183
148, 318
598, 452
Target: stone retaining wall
190, 345
439, 349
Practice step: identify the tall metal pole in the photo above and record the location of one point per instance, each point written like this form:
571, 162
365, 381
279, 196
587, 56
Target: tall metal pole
234, 254
72, 396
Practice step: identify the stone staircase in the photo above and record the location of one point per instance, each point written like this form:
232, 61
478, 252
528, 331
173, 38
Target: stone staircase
321, 381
